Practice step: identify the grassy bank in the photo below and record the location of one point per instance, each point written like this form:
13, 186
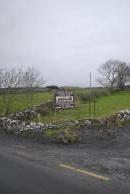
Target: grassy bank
105, 105
21, 101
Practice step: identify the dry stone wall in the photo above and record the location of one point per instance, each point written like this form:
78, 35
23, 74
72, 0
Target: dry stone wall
15, 125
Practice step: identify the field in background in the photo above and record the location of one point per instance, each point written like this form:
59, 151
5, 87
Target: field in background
105, 105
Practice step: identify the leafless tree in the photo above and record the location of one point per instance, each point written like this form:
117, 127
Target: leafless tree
32, 78
18, 78
0, 77
128, 73
113, 73
15, 78
8, 79
122, 75
108, 73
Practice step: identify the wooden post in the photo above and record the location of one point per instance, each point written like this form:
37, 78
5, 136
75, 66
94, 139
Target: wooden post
55, 115
90, 102
94, 107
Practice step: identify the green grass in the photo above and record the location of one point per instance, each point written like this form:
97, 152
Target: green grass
105, 105
113, 103
21, 101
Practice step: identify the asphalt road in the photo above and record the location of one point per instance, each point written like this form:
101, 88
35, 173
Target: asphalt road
27, 167
18, 176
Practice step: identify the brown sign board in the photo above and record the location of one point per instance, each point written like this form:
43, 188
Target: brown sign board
64, 100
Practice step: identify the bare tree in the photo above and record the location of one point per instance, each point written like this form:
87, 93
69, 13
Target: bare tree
128, 73
1, 77
15, 78
108, 73
113, 73
122, 75
8, 79
32, 78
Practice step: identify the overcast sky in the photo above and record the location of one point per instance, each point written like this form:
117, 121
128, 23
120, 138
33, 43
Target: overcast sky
64, 39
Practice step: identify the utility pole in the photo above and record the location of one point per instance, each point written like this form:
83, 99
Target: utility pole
90, 81
90, 89
55, 115
92, 100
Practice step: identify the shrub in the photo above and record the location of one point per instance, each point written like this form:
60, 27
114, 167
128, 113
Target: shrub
45, 109
67, 136
85, 97
93, 95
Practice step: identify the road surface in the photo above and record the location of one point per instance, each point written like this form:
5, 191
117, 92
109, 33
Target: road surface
97, 167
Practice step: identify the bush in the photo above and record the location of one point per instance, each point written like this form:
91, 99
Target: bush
52, 87
45, 109
85, 97
93, 95
67, 136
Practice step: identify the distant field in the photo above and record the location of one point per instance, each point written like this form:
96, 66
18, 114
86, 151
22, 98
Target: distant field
105, 105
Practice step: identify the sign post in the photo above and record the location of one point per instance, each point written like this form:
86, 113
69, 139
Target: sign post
90, 100
64, 100
55, 115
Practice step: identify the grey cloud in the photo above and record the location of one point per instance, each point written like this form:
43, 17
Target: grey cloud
65, 39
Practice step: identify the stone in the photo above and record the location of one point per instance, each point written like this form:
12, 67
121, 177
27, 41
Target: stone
87, 123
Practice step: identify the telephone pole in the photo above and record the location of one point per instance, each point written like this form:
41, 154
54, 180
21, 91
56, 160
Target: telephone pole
90, 89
